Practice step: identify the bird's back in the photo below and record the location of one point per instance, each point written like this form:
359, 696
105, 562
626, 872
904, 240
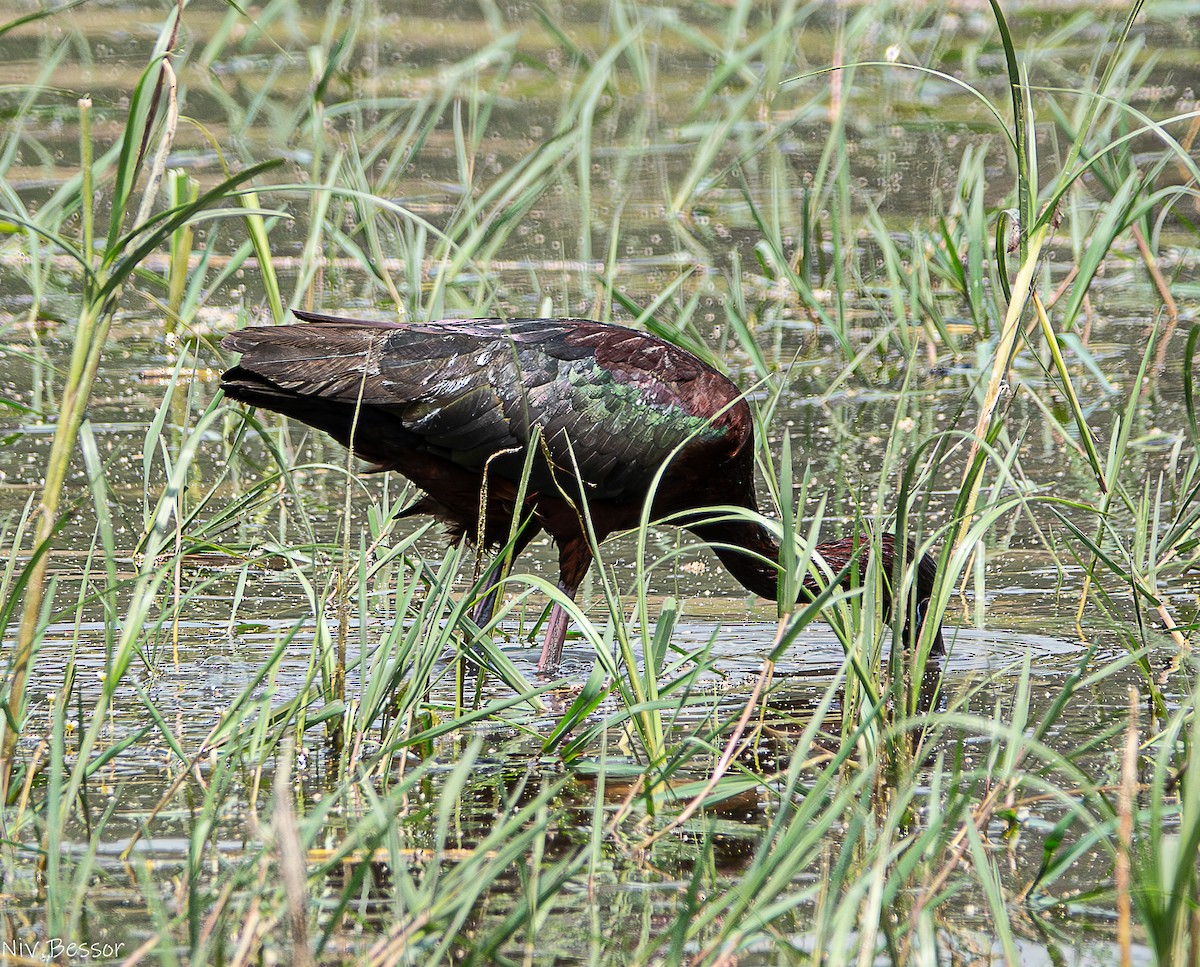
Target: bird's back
611, 404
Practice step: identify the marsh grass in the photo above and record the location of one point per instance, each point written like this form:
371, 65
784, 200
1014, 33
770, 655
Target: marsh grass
385, 784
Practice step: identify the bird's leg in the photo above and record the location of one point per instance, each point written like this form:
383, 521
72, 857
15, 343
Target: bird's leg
495, 573
556, 635
487, 604
574, 558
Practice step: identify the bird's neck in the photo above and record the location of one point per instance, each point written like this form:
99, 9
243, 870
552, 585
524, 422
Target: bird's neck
749, 552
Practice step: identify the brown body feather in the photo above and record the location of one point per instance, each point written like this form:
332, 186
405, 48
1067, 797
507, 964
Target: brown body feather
447, 403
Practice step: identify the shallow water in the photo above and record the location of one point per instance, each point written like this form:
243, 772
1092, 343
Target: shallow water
906, 140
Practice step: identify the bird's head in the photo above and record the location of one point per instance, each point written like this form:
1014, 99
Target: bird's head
915, 617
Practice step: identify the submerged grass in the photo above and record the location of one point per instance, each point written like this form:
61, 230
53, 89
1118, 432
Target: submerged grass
365, 792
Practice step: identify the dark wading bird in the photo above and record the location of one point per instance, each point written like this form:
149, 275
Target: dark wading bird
449, 404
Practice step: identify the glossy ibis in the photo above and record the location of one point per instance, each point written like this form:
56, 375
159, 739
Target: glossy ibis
453, 407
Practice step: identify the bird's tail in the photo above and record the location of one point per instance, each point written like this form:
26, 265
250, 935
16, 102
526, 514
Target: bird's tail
323, 373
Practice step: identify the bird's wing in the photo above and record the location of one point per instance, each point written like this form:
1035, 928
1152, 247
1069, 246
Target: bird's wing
612, 404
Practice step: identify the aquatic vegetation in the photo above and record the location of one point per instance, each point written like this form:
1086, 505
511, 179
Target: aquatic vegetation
950, 257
